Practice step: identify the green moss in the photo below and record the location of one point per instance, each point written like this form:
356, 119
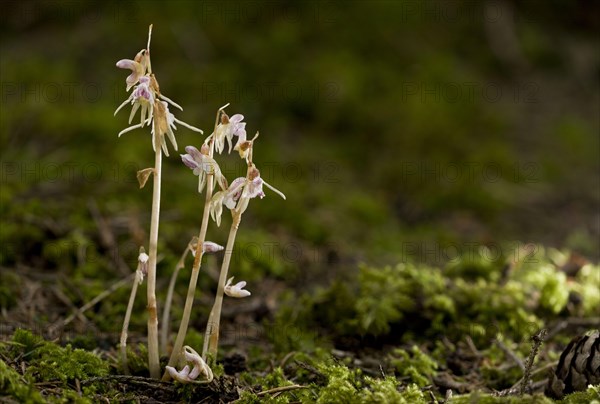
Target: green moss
343, 384
415, 364
346, 385
483, 398
19, 387
50, 362
590, 396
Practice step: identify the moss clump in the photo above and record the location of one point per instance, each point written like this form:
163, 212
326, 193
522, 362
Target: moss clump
346, 385
590, 396
475, 296
46, 362
416, 365
16, 386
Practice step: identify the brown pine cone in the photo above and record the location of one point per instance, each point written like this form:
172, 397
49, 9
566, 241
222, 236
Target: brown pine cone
578, 367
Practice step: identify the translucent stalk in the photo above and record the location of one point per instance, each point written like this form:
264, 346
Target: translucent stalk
189, 301
153, 359
211, 338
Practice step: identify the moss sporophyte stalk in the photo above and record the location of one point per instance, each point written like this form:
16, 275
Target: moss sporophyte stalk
147, 98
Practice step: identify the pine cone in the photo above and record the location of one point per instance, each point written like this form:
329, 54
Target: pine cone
578, 367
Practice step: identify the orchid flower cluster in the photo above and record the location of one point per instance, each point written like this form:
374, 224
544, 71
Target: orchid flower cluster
234, 196
147, 98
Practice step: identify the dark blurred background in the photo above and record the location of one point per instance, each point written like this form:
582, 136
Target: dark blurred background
399, 130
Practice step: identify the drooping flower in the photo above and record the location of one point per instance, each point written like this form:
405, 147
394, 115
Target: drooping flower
236, 290
239, 193
142, 96
203, 165
228, 128
207, 247
142, 269
138, 67
186, 375
244, 147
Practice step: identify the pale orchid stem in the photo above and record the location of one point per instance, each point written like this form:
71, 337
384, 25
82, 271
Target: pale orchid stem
153, 358
164, 331
189, 300
211, 338
148, 48
123, 345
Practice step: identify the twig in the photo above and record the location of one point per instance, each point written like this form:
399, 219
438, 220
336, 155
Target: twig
92, 302
63, 298
139, 276
535, 372
139, 380
538, 339
214, 319
570, 322
280, 389
107, 238
509, 352
164, 331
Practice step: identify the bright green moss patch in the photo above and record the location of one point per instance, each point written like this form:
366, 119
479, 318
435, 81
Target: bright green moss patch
414, 364
50, 362
16, 386
478, 296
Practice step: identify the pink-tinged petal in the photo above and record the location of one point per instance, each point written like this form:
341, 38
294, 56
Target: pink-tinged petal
144, 80
131, 80
189, 161
236, 118
127, 64
194, 153
185, 371
255, 188
210, 247
240, 131
194, 373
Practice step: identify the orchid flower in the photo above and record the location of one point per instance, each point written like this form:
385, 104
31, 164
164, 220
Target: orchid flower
227, 129
187, 375
207, 247
202, 165
142, 266
142, 96
244, 147
138, 67
155, 107
239, 193
236, 290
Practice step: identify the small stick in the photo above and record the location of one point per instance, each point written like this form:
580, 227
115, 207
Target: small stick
107, 238
139, 277
214, 319
508, 352
92, 302
164, 331
538, 339
280, 389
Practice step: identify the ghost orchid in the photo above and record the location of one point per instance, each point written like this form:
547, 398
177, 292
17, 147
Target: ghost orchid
187, 375
236, 290
203, 165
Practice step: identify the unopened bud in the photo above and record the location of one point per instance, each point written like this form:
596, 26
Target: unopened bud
210, 247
